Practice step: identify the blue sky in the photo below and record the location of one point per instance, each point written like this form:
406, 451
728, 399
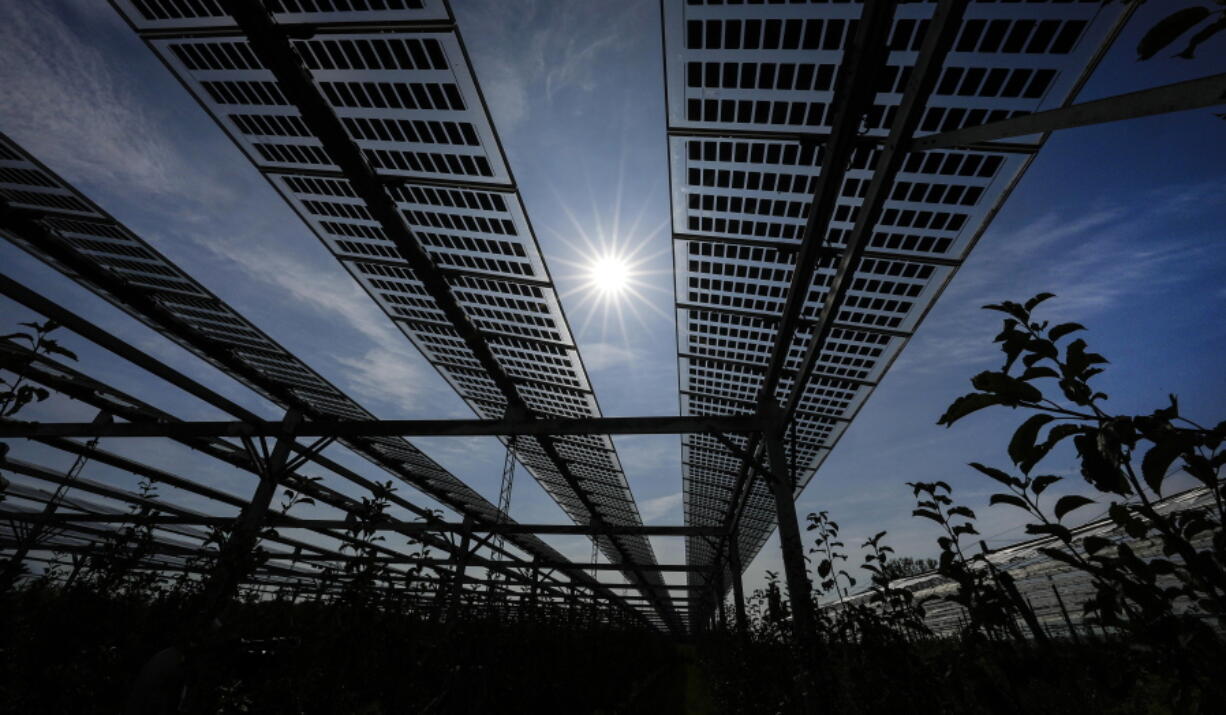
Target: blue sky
1123, 222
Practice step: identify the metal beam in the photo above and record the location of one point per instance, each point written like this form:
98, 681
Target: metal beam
408, 528
803, 138
491, 563
1178, 97
393, 428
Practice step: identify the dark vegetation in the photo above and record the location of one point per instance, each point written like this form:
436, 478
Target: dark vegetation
77, 650
1153, 642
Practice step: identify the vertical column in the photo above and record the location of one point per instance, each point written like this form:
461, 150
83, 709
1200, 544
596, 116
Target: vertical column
738, 589
461, 564
533, 586
234, 561
789, 535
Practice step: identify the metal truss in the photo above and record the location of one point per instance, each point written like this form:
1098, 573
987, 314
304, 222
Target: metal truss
831, 169
372, 126
73, 384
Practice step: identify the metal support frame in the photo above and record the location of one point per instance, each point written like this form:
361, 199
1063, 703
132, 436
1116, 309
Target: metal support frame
781, 483
272, 46
506, 486
738, 594
151, 312
342, 429
860, 58
42, 524
1179, 97
461, 559
130, 408
854, 94
407, 528
235, 559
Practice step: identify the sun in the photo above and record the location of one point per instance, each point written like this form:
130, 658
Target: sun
610, 275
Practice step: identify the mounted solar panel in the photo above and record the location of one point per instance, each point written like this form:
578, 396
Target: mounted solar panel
75, 236
751, 99
479, 303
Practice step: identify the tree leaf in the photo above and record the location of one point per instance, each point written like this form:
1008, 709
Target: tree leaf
1011, 389
1159, 458
1030, 304
996, 474
1035, 372
961, 511
1064, 329
1059, 531
1070, 502
1012, 347
1169, 29
1054, 437
1021, 447
1077, 360
1008, 499
1043, 482
928, 515
53, 348
1094, 544
1010, 308
1097, 470
965, 405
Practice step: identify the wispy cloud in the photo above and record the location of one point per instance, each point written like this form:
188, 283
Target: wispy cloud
599, 356
532, 51
1095, 262
72, 106
658, 507
387, 368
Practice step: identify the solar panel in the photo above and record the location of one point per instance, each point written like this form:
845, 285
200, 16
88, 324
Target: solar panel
400, 84
750, 100
80, 238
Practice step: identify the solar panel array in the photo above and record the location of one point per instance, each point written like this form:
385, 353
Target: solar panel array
208, 325
397, 77
749, 95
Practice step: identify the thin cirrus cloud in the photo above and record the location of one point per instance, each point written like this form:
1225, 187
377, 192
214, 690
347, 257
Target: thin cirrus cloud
603, 355
384, 369
538, 50
78, 110
1094, 262
661, 506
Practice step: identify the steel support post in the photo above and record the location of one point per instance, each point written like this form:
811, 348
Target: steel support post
461, 564
789, 540
804, 625
532, 586
235, 558
738, 592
